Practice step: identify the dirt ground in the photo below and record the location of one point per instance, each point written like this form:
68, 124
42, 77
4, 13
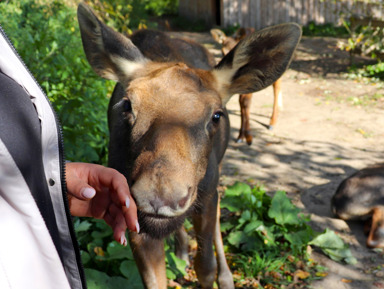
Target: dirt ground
322, 136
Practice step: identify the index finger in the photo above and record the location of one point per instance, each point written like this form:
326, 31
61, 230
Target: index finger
119, 192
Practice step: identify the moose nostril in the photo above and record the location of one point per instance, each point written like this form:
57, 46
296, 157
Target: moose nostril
183, 201
156, 204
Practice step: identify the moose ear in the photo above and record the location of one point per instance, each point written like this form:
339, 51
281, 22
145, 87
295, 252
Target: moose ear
257, 61
218, 35
111, 54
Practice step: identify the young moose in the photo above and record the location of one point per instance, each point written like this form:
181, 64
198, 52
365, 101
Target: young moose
361, 196
227, 44
169, 129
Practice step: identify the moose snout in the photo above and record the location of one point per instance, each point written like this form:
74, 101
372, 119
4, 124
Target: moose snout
167, 173
163, 200
168, 206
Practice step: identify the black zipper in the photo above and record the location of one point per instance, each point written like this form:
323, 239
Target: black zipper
62, 165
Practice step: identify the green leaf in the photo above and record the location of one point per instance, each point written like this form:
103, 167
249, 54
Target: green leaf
176, 264
170, 274
238, 189
118, 251
300, 238
232, 204
226, 226
129, 270
85, 257
283, 211
237, 238
246, 215
252, 244
104, 231
329, 240
266, 234
81, 226
100, 280
333, 246
252, 226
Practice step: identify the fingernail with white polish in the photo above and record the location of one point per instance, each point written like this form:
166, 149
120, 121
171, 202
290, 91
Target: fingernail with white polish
127, 202
88, 193
137, 227
123, 240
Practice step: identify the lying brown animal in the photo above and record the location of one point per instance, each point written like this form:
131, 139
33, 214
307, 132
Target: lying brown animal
228, 43
361, 196
169, 129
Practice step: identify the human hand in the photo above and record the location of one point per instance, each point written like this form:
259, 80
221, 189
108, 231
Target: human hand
103, 193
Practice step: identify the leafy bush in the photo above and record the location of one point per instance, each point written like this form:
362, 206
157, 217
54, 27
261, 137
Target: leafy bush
109, 263
47, 37
366, 40
268, 238
264, 223
328, 29
48, 40
163, 7
123, 15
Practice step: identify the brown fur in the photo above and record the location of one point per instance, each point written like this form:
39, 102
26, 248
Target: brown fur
361, 196
169, 130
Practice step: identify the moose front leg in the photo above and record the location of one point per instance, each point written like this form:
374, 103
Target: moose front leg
150, 260
277, 103
205, 261
181, 244
224, 275
245, 101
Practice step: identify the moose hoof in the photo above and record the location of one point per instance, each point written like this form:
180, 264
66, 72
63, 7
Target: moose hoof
249, 139
240, 140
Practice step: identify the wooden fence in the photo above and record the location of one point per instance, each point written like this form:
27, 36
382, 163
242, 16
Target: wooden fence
261, 13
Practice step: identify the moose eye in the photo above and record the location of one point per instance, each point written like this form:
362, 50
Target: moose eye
216, 116
127, 106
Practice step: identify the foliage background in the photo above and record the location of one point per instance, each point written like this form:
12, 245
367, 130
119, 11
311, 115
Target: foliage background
46, 35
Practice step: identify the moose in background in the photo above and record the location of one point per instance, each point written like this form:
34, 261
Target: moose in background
227, 44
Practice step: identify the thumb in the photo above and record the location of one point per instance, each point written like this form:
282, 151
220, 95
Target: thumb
81, 190
87, 193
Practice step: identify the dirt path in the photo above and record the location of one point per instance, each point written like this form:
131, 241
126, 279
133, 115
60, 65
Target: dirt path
315, 145
321, 137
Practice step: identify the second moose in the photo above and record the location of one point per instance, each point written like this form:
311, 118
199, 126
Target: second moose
227, 44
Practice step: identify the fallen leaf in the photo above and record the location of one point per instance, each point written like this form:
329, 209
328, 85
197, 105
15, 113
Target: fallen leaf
346, 280
321, 274
361, 131
99, 251
301, 274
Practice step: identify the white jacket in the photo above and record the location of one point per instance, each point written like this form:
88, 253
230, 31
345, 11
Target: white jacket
28, 256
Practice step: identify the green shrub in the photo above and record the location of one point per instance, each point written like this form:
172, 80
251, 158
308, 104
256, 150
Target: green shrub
259, 222
267, 238
47, 37
328, 29
48, 40
122, 15
162, 7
